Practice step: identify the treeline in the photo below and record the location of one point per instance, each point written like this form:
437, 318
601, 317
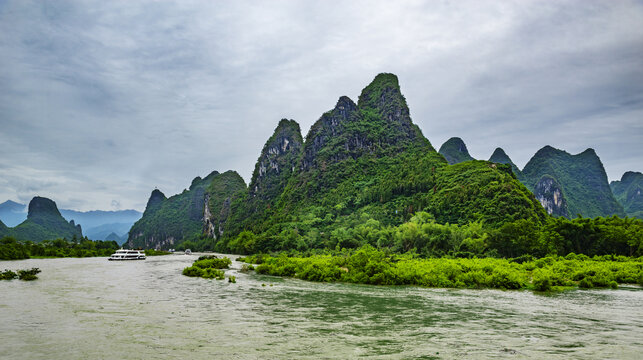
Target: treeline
12, 249
424, 236
377, 267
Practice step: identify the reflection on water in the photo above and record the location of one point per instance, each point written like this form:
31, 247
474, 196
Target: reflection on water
93, 308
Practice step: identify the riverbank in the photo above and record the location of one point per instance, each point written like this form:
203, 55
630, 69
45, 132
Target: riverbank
147, 309
371, 266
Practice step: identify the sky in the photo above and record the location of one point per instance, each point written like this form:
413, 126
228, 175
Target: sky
103, 101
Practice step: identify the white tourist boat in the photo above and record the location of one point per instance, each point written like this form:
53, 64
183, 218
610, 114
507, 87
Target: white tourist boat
123, 254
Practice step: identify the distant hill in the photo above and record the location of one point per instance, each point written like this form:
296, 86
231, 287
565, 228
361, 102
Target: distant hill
94, 218
97, 223
102, 231
455, 151
114, 237
44, 222
580, 180
12, 213
629, 193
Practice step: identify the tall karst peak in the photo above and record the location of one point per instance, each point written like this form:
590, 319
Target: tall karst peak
278, 160
156, 197
329, 131
382, 100
40, 206
455, 151
44, 222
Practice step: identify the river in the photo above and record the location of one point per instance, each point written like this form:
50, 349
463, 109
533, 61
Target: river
91, 308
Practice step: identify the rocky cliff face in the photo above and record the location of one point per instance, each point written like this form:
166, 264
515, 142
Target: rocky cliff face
550, 195
581, 176
326, 132
278, 161
379, 125
455, 151
629, 193
382, 99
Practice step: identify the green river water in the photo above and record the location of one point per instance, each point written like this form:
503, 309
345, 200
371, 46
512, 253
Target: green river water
92, 308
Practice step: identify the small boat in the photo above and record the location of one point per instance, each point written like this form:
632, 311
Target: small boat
188, 251
127, 255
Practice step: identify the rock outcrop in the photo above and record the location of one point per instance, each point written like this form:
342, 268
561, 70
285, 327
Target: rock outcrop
279, 159
550, 195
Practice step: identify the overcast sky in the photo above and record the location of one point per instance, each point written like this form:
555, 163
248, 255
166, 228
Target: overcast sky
102, 101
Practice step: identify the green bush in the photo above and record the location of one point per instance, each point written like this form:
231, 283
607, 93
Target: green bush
28, 275
368, 265
542, 280
8, 275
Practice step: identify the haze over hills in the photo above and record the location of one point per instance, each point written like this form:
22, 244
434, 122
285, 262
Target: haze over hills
12, 213
43, 222
97, 224
359, 162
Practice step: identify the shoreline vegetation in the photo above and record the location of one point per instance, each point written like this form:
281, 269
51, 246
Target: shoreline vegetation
26, 275
368, 265
12, 249
209, 267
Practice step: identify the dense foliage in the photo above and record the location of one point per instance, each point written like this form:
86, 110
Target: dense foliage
180, 217
629, 192
428, 238
12, 249
371, 266
26, 275
209, 267
582, 179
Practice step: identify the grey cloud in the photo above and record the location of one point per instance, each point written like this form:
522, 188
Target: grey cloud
103, 101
